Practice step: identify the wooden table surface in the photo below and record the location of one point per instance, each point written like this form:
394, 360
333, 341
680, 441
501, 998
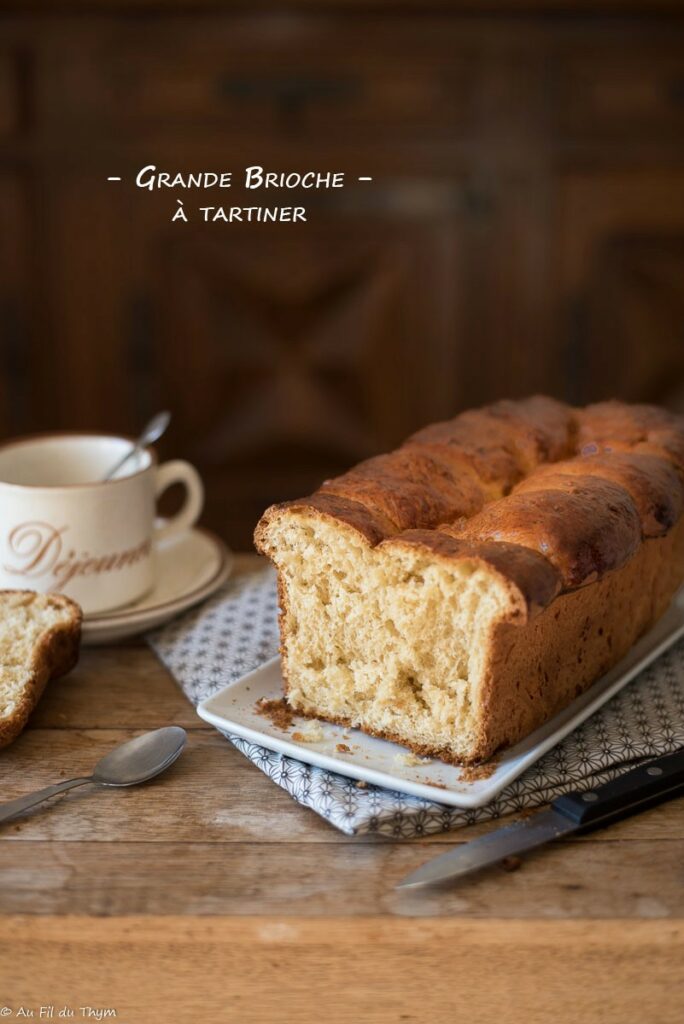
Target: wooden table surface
209, 895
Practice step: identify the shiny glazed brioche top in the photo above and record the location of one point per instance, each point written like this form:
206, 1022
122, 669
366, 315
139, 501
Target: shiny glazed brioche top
550, 496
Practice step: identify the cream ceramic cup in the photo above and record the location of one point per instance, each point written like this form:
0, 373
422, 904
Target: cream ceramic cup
65, 531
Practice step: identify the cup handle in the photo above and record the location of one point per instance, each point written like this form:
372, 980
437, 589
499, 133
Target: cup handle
179, 472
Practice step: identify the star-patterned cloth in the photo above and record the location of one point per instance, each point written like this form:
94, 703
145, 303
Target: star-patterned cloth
236, 631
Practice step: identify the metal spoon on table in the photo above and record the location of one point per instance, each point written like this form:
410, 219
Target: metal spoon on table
128, 764
151, 433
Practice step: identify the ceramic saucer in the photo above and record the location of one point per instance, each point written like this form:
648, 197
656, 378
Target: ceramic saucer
189, 569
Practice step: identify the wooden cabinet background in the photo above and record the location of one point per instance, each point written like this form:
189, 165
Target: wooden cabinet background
524, 229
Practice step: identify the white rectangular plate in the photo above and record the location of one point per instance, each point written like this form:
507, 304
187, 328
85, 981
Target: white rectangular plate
233, 709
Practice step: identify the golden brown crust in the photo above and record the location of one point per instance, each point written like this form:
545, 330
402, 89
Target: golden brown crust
484, 441
539, 668
54, 655
371, 525
614, 426
584, 533
620, 421
458, 476
506, 440
653, 484
542, 429
533, 580
413, 487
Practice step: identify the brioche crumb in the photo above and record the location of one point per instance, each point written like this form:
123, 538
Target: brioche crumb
478, 772
278, 712
412, 760
312, 734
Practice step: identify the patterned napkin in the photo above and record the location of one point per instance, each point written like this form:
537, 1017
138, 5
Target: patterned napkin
236, 631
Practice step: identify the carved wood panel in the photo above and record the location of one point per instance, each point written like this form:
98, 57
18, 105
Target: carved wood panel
17, 377
316, 347
620, 294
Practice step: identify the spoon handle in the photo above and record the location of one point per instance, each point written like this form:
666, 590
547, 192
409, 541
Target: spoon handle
22, 803
122, 461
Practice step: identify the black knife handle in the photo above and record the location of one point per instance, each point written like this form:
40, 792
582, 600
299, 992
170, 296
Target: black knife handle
649, 784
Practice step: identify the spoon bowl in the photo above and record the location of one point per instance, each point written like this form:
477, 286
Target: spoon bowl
132, 762
141, 758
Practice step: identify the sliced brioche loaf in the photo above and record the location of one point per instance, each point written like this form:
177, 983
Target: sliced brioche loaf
456, 593
39, 640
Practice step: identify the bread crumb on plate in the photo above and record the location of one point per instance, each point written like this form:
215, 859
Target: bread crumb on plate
278, 712
412, 760
312, 734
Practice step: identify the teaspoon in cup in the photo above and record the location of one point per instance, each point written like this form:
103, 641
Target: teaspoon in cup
152, 432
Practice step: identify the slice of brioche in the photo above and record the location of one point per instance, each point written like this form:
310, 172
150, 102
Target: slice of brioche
40, 636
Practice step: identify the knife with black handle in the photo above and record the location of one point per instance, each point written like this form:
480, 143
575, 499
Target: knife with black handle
649, 784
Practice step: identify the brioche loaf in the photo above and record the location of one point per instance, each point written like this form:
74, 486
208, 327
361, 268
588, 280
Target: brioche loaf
39, 640
456, 593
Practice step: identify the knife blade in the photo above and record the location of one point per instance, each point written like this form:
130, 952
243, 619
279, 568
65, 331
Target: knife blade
644, 786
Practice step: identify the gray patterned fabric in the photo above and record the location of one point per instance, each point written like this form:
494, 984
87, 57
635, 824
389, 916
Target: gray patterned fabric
236, 631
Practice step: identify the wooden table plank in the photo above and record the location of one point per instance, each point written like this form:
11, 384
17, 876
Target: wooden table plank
371, 970
213, 794
598, 880
116, 688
